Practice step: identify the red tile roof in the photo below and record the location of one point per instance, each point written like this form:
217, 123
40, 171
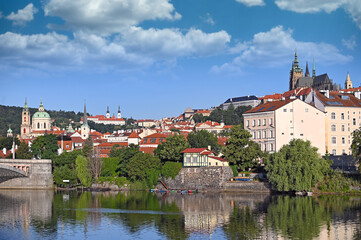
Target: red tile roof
269, 106
218, 158
194, 150
335, 100
133, 135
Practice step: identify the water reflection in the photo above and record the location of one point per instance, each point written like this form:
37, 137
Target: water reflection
133, 215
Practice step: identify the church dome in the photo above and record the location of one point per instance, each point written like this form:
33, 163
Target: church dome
41, 114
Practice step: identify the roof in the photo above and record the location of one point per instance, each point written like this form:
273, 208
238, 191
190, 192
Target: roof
133, 135
240, 99
203, 111
218, 158
194, 150
156, 135
269, 106
210, 123
41, 114
339, 99
320, 79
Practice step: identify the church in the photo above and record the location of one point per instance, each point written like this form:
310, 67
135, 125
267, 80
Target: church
298, 80
40, 124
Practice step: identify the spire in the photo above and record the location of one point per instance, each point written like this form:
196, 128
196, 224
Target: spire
307, 74
296, 59
107, 109
118, 108
85, 118
348, 82
41, 106
314, 69
108, 113
26, 104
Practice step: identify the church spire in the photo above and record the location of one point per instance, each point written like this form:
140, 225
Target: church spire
307, 74
85, 118
348, 82
313, 69
108, 113
41, 106
26, 105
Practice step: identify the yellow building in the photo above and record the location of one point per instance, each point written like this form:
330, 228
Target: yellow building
202, 157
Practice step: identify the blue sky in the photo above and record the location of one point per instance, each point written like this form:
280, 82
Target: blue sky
155, 58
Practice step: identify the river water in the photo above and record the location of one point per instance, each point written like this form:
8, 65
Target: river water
144, 215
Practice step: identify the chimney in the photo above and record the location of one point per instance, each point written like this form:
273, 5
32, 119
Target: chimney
209, 148
4, 151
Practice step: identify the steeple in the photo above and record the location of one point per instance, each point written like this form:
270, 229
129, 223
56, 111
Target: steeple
314, 69
85, 118
26, 105
307, 74
348, 82
108, 113
41, 106
119, 115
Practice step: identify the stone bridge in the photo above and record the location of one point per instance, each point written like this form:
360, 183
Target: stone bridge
25, 173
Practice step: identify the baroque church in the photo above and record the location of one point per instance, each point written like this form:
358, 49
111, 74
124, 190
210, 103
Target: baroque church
40, 124
320, 82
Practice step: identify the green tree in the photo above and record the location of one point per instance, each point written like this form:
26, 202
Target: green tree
124, 155
172, 148
65, 172
23, 152
240, 150
83, 171
296, 167
197, 118
356, 145
203, 139
171, 169
141, 165
110, 166
7, 142
45, 147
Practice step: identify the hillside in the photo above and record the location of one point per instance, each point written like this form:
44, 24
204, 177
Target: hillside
11, 115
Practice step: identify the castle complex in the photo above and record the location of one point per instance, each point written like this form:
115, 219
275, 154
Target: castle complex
298, 80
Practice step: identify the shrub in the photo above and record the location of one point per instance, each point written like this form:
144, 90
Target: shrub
171, 169
234, 170
109, 167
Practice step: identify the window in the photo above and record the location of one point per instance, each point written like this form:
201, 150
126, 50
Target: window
188, 159
194, 159
333, 115
333, 139
354, 121
44, 125
271, 147
343, 152
24, 119
264, 122
259, 122
342, 128
285, 110
254, 123
265, 147
247, 123
291, 110
342, 116
216, 163
265, 134
343, 140
24, 130
270, 121
145, 140
152, 140
259, 134
334, 151
333, 128
38, 125
254, 135
271, 134
306, 110
209, 164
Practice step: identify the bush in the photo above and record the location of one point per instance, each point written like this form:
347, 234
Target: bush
64, 173
234, 170
171, 169
337, 182
119, 181
109, 167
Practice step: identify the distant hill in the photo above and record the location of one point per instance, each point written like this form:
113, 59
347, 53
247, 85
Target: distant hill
12, 115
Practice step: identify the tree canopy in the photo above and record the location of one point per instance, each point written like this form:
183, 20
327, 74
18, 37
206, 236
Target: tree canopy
296, 167
356, 145
83, 172
241, 150
172, 148
203, 139
45, 147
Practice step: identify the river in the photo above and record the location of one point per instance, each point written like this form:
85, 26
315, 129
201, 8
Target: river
40, 214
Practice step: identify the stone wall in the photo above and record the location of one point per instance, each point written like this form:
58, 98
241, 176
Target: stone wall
200, 178
263, 187
39, 176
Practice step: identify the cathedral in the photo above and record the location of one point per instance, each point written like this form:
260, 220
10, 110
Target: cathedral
320, 82
41, 122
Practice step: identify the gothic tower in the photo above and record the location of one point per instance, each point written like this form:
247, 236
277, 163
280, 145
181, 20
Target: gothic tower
348, 83
25, 122
119, 115
313, 69
85, 129
295, 73
307, 73
108, 113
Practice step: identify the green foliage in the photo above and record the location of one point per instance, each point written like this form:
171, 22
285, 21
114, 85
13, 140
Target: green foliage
23, 151
234, 170
7, 142
110, 166
198, 118
82, 171
231, 116
124, 155
172, 148
45, 147
241, 150
171, 169
203, 139
356, 145
141, 166
339, 183
296, 167
65, 172
67, 158
119, 181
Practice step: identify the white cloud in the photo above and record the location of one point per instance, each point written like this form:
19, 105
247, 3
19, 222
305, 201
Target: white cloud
350, 43
276, 47
23, 15
109, 16
171, 43
208, 19
353, 7
252, 3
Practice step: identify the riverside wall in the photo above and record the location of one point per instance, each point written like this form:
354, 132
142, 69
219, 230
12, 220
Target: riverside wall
39, 175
